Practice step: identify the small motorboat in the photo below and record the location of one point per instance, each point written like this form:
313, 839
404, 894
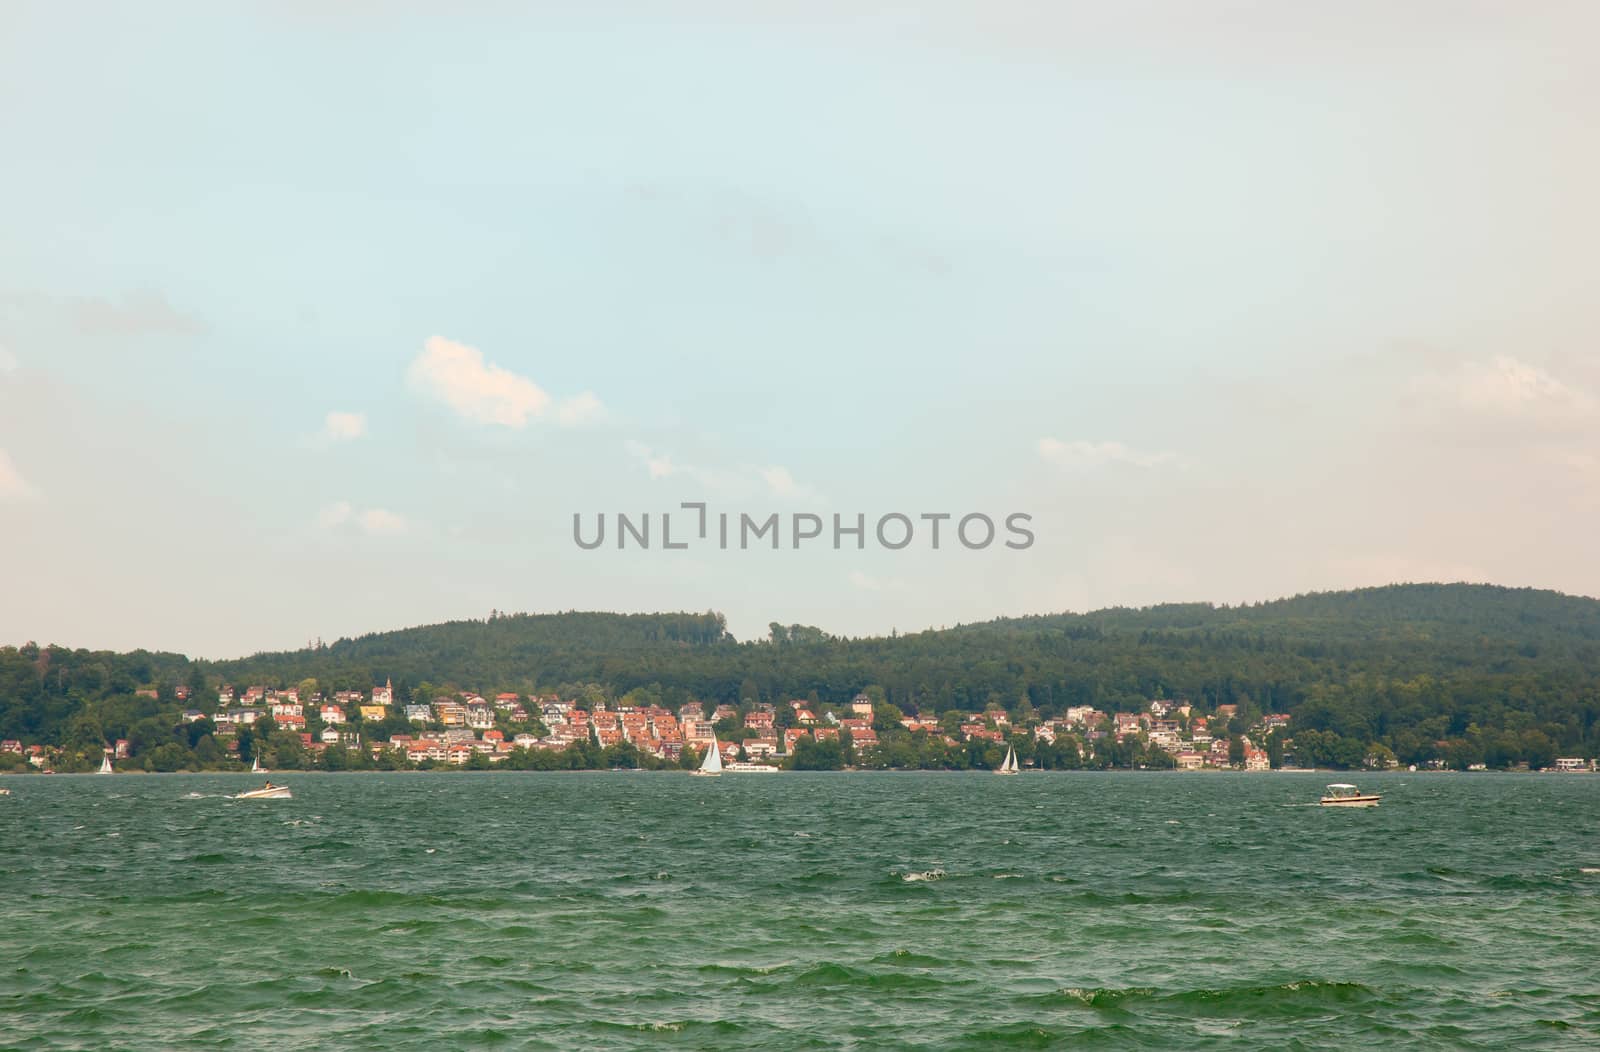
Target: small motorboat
266, 792
5, 792
1343, 794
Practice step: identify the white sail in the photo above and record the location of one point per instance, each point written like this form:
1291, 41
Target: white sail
255, 765
105, 765
712, 764
1009, 764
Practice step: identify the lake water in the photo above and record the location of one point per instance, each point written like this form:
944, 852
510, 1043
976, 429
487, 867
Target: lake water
870, 911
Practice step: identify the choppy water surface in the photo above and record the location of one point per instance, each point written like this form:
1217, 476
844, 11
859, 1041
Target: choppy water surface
617, 911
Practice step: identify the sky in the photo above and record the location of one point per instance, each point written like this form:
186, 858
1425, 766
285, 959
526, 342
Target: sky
319, 319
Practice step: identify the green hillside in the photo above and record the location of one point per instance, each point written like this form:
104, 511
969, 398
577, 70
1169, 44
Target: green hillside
1496, 675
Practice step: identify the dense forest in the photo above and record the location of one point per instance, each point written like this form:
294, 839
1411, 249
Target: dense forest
1463, 673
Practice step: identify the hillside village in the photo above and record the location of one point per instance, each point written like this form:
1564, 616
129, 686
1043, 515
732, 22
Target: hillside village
288, 728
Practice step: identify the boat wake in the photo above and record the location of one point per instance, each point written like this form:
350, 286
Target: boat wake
925, 875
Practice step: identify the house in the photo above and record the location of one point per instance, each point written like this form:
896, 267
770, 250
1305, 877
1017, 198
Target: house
419, 713
374, 712
1227, 712
384, 695
291, 723
760, 722
1277, 721
11, 745
980, 731
121, 749
760, 748
1571, 763
865, 738
285, 708
245, 717
1189, 760
193, 715
332, 714
330, 735
861, 705
507, 700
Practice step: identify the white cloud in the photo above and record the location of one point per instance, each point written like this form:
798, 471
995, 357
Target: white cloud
783, 484
13, 487
659, 465
478, 390
579, 409
341, 427
335, 515
1084, 455
381, 521
144, 313
1505, 386
372, 521
728, 483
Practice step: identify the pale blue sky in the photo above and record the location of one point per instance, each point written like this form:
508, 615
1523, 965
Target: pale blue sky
1237, 299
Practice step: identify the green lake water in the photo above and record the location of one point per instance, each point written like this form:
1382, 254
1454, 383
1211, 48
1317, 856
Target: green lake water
826, 911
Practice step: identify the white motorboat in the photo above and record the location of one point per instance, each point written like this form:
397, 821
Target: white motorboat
266, 792
711, 766
745, 767
1343, 794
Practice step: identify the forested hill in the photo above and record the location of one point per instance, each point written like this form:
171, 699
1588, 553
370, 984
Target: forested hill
1404, 665
517, 650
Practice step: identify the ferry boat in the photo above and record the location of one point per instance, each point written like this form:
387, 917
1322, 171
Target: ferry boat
266, 792
746, 767
1343, 794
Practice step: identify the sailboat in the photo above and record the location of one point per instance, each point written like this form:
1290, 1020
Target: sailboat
255, 765
1009, 766
711, 766
105, 765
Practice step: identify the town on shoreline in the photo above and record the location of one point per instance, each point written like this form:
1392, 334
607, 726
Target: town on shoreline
301, 727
